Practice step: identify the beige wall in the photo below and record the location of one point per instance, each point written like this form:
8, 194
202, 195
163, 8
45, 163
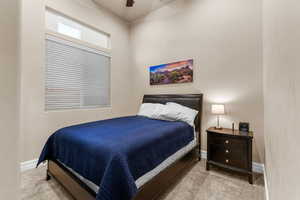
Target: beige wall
224, 39
9, 99
36, 124
282, 97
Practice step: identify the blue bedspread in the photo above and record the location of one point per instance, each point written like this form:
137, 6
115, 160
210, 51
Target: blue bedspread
114, 153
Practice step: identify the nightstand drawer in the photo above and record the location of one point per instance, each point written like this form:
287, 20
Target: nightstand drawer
227, 141
226, 155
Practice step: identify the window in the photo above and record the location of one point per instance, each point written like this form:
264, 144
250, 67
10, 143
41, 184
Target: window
58, 23
77, 74
69, 31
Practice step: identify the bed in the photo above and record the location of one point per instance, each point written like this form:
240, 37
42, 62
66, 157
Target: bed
135, 157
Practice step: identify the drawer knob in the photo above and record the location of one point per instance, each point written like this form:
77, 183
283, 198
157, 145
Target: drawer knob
227, 141
227, 161
227, 151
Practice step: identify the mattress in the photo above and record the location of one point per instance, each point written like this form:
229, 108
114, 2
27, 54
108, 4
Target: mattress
115, 153
151, 174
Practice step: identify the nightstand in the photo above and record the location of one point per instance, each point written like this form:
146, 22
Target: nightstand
230, 150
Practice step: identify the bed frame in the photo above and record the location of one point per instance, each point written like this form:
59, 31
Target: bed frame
154, 188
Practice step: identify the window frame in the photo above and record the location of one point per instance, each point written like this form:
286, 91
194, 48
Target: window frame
106, 51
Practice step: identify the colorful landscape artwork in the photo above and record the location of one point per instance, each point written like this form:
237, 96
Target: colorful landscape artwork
177, 72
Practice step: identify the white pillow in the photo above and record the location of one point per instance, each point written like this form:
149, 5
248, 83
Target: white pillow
156, 111
169, 112
159, 111
177, 112
147, 109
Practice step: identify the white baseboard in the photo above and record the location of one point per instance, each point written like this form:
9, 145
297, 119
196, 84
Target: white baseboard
27, 165
266, 184
256, 167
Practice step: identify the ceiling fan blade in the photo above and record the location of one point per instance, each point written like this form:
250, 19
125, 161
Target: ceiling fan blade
130, 3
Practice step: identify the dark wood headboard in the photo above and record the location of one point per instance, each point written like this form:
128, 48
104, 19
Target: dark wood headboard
193, 101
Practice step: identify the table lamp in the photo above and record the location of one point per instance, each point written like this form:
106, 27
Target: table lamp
218, 109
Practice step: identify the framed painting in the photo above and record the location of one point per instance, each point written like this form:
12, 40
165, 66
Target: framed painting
177, 72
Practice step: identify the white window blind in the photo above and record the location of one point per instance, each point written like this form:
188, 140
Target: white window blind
76, 76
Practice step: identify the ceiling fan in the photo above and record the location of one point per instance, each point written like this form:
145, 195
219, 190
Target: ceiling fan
130, 3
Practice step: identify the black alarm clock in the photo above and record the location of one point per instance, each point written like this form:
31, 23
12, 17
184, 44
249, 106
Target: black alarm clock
244, 126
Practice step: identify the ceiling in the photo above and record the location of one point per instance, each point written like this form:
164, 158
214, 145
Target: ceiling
140, 8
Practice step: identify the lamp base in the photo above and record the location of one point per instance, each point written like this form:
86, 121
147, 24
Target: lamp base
218, 128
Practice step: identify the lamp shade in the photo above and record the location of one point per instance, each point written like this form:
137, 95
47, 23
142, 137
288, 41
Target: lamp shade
218, 109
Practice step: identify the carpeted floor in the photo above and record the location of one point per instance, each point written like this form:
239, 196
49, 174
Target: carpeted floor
197, 184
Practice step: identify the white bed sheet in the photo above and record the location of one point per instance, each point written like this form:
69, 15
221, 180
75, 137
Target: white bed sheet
149, 175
